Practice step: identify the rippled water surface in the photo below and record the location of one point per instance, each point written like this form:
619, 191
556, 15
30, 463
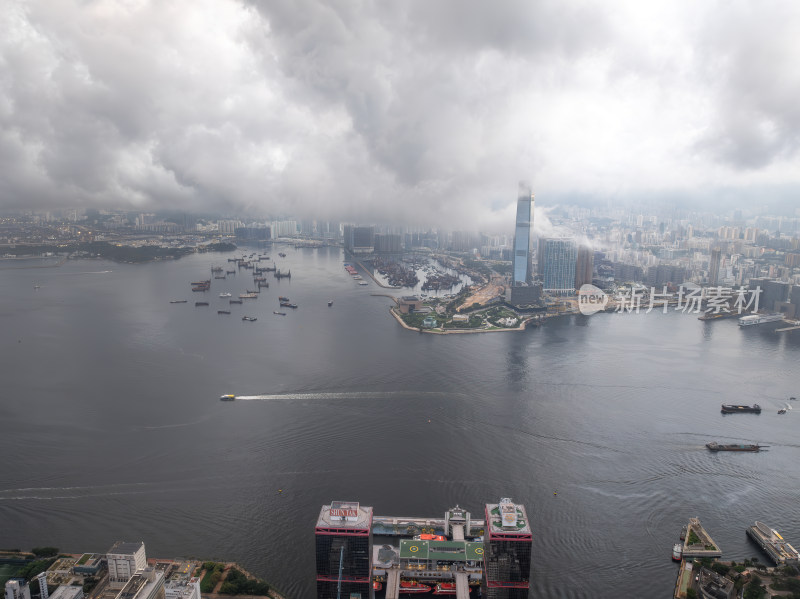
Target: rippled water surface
113, 430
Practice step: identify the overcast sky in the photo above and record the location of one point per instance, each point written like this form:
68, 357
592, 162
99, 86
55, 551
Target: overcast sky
417, 111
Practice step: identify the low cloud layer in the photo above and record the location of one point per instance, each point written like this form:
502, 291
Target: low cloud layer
408, 112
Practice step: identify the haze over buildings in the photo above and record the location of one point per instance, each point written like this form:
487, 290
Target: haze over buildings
404, 113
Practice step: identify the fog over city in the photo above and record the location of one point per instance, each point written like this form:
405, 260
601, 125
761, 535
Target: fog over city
406, 112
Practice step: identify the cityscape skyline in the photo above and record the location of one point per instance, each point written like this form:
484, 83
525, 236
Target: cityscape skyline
396, 113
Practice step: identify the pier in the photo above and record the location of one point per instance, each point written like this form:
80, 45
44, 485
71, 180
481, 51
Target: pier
423, 555
684, 581
698, 542
773, 544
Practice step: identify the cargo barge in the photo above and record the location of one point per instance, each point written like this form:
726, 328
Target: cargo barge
714, 446
734, 409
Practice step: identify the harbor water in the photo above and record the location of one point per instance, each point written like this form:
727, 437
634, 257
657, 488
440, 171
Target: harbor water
113, 428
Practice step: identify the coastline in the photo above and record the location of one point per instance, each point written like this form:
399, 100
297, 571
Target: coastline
523, 325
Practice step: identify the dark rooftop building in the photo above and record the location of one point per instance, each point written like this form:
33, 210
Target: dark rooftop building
344, 550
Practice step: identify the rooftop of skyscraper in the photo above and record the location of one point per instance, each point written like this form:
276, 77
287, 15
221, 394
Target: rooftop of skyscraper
345, 514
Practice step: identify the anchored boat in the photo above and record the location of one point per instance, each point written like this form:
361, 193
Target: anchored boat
733, 409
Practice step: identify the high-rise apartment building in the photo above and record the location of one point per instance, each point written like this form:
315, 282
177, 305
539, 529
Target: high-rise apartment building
17, 588
557, 264
713, 266
359, 240
124, 559
584, 266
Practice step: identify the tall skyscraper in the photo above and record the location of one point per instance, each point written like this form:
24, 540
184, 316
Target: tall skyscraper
508, 544
344, 551
523, 242
713, 266
558, 265
584, 266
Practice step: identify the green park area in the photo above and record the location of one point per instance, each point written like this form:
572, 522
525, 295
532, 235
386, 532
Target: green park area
478, 319
7, 571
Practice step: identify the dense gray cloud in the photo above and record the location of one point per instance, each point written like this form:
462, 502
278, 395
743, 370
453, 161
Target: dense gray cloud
414, 112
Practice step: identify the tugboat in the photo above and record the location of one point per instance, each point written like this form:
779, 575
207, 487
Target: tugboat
676, 552
732, 409
227, 397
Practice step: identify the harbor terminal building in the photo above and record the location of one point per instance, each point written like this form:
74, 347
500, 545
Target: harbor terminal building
360, 555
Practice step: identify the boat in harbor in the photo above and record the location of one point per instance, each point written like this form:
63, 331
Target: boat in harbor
735, 409
223, 311
233, 301
249, 318
782, 411
714, 446
445, 588
377, 585
177, 301
281, 298
227, 397
281, 254
754, 319
677, 550
225, 294
288, 305
201, 303
412, 586
330, 303
279, 313
247, 296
